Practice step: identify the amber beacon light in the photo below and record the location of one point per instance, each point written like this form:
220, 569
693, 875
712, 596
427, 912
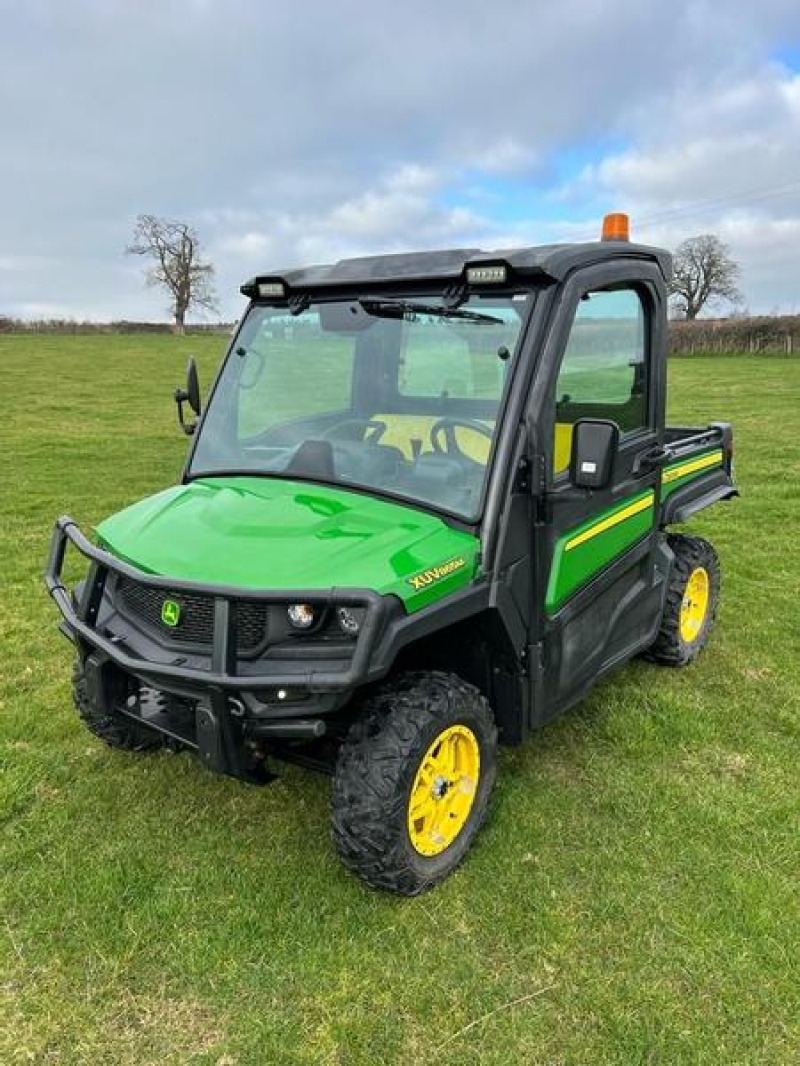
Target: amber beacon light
616, 227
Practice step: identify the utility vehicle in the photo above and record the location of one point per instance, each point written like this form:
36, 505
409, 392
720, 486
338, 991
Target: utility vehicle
425, 508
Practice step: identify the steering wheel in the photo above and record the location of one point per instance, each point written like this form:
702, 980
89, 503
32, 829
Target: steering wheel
446, 427
377, 427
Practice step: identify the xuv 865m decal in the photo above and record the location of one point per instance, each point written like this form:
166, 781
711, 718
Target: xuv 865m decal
436, 573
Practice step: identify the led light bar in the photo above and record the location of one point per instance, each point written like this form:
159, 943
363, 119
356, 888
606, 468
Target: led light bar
271, 288
487, 275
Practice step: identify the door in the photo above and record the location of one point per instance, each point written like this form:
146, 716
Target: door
598, 594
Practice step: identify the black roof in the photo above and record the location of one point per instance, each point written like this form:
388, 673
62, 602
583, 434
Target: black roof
549, 261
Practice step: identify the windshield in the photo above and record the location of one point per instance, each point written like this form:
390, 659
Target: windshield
395, 395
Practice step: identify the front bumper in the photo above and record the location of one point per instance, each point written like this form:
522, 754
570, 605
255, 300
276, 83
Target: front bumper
236, 695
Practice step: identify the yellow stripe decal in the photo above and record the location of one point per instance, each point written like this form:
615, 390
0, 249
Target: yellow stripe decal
672, 473
613, 520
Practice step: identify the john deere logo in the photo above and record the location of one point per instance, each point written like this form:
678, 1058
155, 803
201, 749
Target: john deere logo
170, 612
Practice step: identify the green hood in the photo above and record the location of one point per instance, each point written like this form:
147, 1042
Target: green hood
271, 534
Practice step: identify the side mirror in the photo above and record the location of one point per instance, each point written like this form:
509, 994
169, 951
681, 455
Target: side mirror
190, 395
193, 387
594, 447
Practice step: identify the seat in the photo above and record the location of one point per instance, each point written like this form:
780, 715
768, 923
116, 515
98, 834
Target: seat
401, 429
562, 447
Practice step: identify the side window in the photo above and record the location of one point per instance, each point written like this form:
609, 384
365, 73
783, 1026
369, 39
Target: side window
603, 370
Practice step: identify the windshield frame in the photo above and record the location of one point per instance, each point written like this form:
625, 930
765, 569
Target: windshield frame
420, 292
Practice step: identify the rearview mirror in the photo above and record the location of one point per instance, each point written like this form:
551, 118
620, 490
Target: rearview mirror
190, 395
344, 318
594, 447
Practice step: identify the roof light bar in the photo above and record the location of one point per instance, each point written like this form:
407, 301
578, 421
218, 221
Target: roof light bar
496, 274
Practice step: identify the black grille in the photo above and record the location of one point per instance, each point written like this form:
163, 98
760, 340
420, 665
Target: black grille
143, 604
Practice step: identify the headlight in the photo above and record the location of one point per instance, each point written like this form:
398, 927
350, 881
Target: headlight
301, 615
350, 619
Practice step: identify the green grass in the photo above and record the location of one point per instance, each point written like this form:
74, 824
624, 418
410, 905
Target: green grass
634, 898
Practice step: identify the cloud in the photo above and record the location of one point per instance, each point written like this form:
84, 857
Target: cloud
401, 212
294, 134
730, 166
17, 264
750, 128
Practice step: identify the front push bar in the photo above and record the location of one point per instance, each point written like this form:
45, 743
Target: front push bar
81, 618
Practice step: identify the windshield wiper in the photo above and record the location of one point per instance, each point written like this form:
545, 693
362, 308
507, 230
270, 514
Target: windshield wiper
388, 307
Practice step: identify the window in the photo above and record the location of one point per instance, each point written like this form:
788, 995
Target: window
292, 369
457, 358
368, 393
603, 369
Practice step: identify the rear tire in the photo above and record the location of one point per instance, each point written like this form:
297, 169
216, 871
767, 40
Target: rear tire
412, 781
116, 729
691, 602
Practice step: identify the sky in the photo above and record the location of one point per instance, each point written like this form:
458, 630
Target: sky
291, 134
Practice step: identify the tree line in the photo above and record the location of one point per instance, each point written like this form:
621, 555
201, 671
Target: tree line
760, 335
766, 335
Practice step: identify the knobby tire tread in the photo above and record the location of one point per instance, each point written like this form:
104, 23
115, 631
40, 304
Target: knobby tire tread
115, 729
669, 647
376, 764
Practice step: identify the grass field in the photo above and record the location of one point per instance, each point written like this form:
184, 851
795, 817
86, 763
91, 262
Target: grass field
634, 898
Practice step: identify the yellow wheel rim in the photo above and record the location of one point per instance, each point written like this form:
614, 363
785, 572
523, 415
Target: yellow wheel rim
444, 790
694, 605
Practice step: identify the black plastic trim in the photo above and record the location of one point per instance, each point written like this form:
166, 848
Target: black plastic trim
404, 630
701, 492
691, 507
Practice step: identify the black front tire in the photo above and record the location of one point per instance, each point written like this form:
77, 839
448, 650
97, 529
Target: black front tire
674, 646
377, 770
117, 730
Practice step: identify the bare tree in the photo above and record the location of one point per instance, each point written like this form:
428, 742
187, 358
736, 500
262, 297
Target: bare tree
703, 270
177, 267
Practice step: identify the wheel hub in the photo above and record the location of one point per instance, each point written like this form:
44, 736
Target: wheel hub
694, 605
443, 791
